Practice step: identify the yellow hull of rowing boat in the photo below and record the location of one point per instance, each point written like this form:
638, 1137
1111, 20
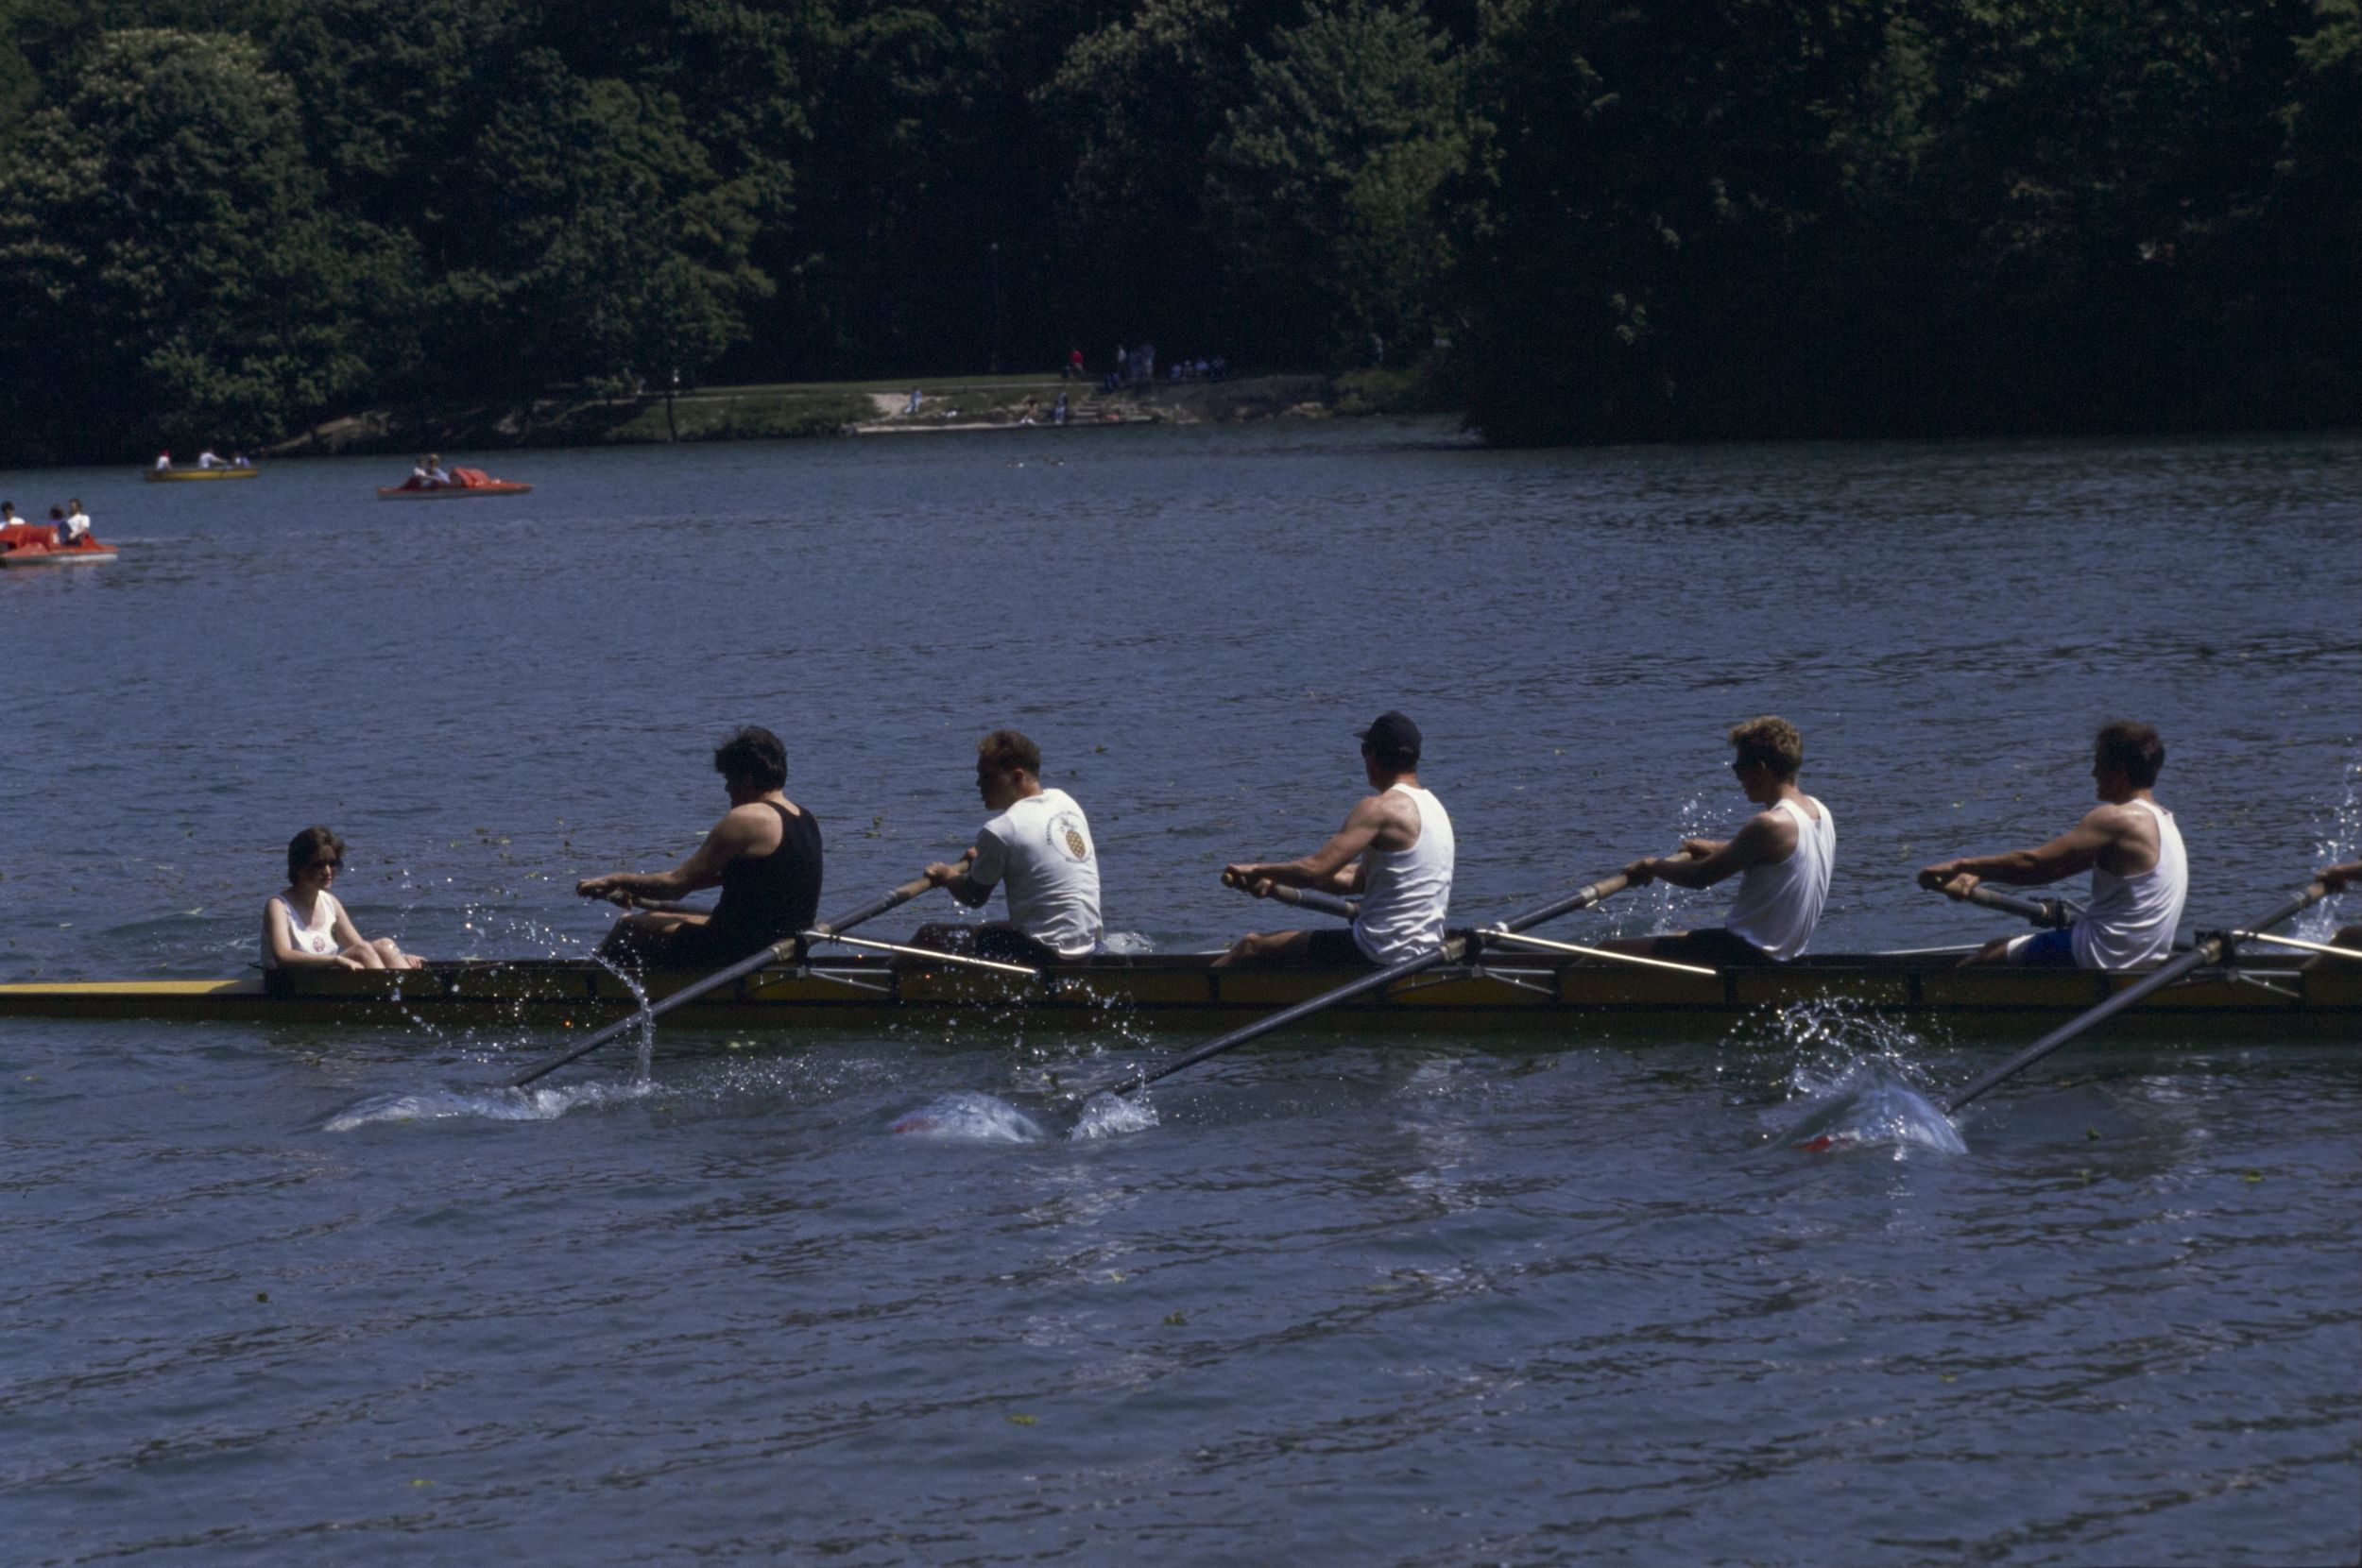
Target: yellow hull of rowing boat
1546, 1000
172, 476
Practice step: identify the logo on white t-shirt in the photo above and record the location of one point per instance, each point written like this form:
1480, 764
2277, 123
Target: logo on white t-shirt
1066, 832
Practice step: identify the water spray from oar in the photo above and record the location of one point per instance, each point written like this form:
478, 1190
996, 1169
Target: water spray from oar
1452, 951
777, 952
2212, 948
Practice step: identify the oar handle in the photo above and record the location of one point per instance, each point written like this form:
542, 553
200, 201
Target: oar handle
2212, 950
783, 948
2050, 914
1303, 899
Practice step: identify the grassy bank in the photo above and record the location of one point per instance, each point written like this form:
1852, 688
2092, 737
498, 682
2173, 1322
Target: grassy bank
793, 410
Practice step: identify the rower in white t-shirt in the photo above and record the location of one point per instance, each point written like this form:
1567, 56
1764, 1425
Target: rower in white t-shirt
1782, 858
1395, 851
1038, 846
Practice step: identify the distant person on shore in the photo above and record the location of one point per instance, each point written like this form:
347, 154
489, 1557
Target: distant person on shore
1782, 858
764, 855
1038, 843
429, 472
76, 528
1074, 371
305, 925
208, 459
1025, 416
1057, 414
2130, 846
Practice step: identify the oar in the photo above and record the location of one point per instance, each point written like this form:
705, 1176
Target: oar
772, 954
2052, 913
1450, 952
2212, 950
2055, 914
1303, 899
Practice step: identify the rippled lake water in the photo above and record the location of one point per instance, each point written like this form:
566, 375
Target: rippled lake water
275, 1291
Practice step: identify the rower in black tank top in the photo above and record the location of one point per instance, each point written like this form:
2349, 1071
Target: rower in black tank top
768, 898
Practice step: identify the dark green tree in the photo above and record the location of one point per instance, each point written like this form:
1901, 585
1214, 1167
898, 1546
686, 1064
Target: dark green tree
1328, 181
165, 258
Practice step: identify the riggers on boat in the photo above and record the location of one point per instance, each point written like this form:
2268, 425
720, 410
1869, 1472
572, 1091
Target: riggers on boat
170, 476
465, 483
1548, 998
36, 544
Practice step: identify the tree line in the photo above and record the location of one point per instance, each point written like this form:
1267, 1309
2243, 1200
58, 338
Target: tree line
1578, 219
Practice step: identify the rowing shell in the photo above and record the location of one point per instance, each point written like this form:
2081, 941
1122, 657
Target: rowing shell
170, 476
1544, 997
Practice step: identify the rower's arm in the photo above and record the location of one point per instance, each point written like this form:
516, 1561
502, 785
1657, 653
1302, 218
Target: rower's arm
1769, 837
962, 881
1333, 867
2072, 852
703, 869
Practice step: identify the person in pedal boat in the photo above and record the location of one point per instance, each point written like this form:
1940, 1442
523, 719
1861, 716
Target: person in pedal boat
76, 528
2130, 846
1395, 852
764, 855
305, 925
1781, 859
429, 474
1038, 843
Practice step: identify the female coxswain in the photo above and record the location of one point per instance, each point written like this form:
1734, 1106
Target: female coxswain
305, 925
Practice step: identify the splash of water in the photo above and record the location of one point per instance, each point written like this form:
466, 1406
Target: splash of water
2342, 842
1858, 1080
967, 1115
1868, 1106
1106, 1116
535, 1104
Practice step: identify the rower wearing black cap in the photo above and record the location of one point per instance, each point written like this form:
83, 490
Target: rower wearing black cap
1395, 852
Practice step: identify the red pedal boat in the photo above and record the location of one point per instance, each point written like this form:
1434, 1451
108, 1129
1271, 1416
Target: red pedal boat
465, 482
36, 544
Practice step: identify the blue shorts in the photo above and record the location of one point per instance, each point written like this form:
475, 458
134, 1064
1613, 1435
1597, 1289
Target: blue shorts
2053, 949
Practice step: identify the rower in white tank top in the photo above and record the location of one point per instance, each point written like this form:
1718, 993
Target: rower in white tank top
1780, 903
1406, 893
2132, 920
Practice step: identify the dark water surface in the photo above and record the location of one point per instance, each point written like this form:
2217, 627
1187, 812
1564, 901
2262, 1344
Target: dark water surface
290, 1292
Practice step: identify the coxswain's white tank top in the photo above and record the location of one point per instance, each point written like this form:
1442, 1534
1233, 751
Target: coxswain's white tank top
1779, 904
318, 938
1406, 892
2132, 920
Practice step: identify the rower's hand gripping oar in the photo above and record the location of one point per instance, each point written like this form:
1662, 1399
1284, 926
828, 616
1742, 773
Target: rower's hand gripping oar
2055, 914
1303, 899
1452, 951
2212, 950
778, 951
